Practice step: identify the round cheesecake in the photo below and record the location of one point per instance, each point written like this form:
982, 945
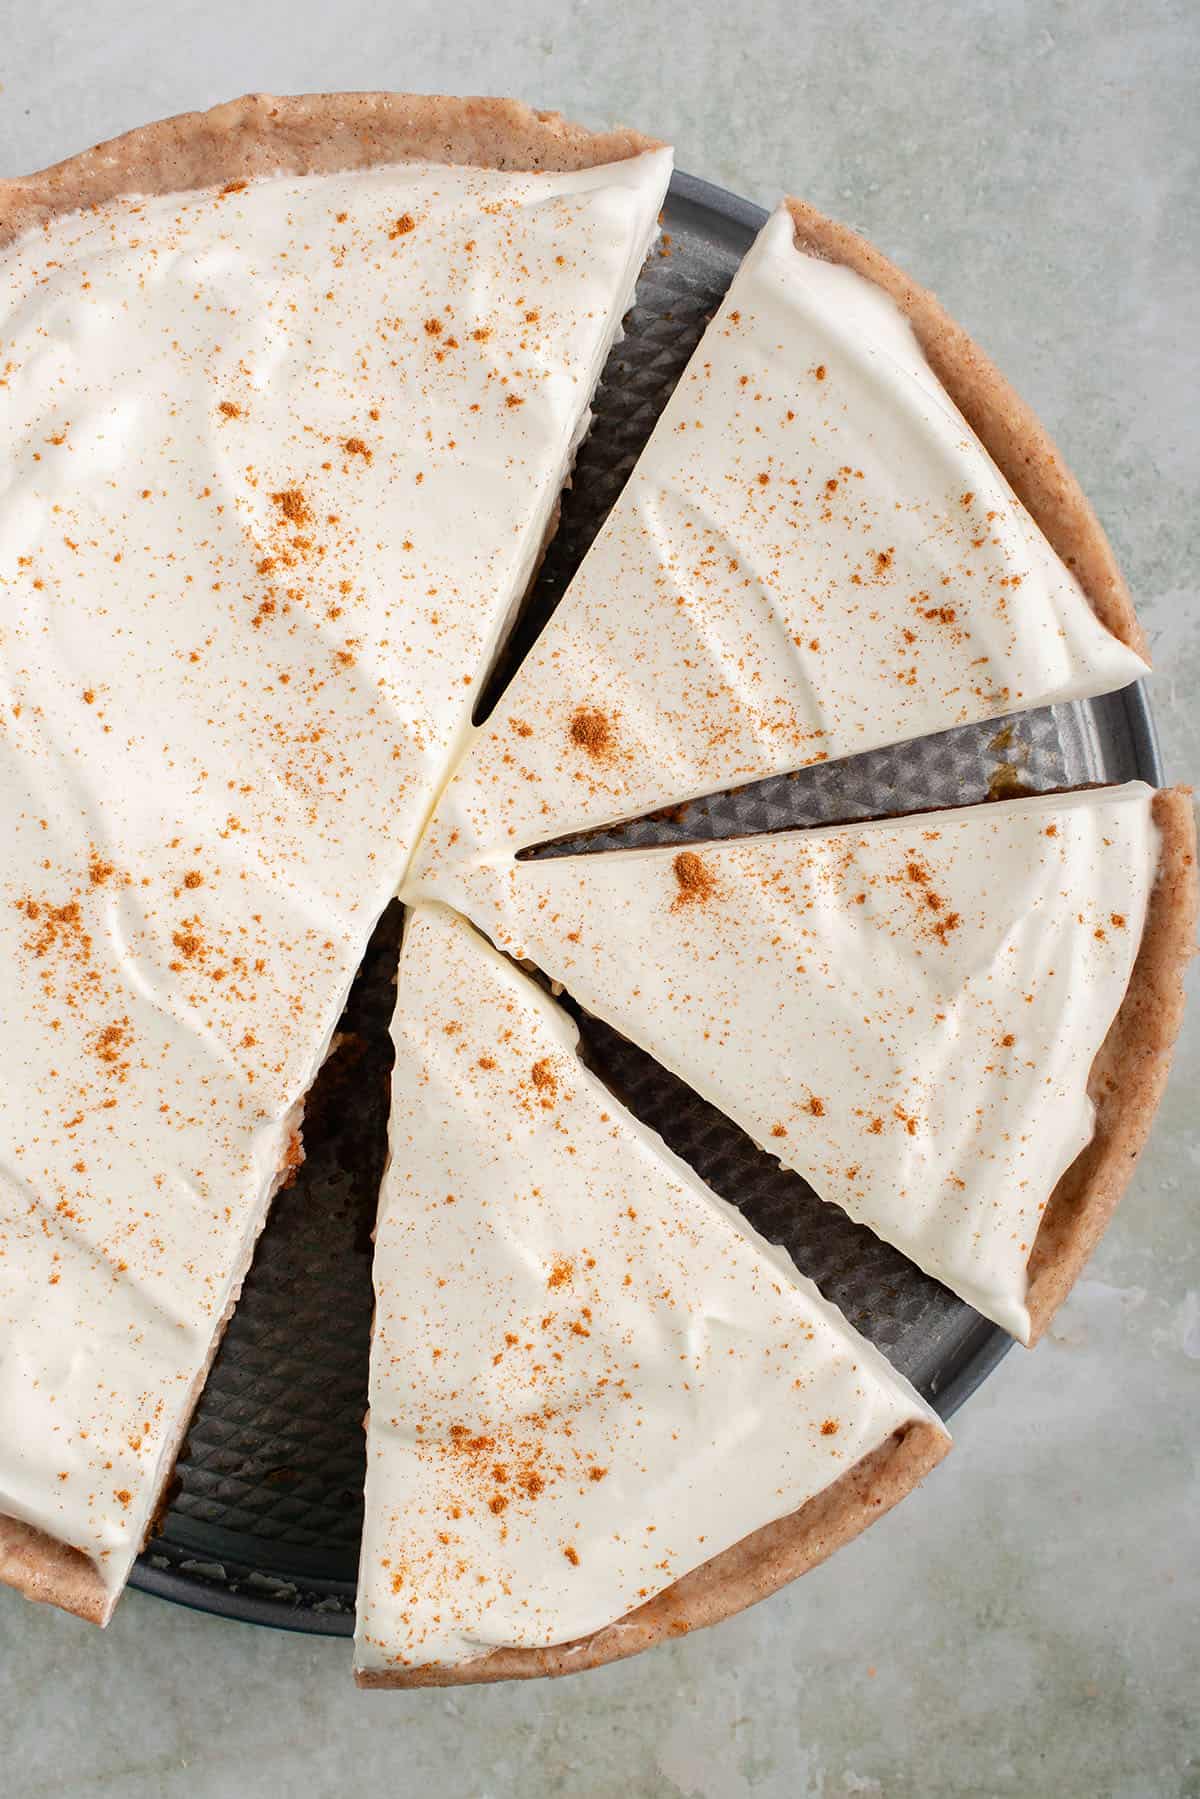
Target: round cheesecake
293, 388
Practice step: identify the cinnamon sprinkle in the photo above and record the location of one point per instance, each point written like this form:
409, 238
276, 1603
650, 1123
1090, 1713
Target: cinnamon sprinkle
695, 880
591, 731
110, 1043
293, 506
545, 1083
917, 880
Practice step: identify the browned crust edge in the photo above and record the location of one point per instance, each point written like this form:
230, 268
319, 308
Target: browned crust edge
1131, 1067
308, 134
1129, 1073
740, 1576
1011, 433
50, 1572
257, 135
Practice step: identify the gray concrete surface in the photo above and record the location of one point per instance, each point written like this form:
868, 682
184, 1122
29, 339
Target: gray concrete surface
1029, 1626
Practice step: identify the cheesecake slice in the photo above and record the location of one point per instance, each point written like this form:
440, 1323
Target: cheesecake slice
943, 1022
290, 392
603, 1409
819, 551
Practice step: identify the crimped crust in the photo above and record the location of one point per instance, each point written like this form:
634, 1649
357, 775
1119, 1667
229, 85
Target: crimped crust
310, 134
1130, 1070
1011, 433
52, 1572
44, 1569
740, 1576
255, 136
1129, 1073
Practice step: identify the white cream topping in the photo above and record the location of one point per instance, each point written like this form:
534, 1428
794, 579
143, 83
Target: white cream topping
813, 556
276, 465
904, 1011
588, 1374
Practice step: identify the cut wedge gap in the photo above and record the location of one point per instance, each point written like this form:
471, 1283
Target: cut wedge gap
285, 444
907, 1011
592, 1382
814, 556
1000, 759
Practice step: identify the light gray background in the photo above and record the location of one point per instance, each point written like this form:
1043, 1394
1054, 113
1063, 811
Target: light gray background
1028, 1625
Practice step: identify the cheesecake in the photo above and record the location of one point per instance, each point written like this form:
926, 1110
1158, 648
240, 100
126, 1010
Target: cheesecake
291, 390
603, 1409
817, 553
907, 1012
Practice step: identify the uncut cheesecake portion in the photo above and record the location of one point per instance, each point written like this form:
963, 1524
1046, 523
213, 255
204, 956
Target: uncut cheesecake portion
279, 455
819, 551
603, 1409
928, 1017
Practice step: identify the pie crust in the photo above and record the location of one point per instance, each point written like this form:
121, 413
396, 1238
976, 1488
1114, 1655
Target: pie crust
1129, 1073
741, 1575
309, 134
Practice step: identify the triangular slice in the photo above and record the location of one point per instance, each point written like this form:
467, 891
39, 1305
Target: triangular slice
281, 452
589, 1376
906, 1011
814, 555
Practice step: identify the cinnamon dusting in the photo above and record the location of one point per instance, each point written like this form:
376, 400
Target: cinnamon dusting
917, 881
591, 731
695, 881
293, 507
545, 1081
